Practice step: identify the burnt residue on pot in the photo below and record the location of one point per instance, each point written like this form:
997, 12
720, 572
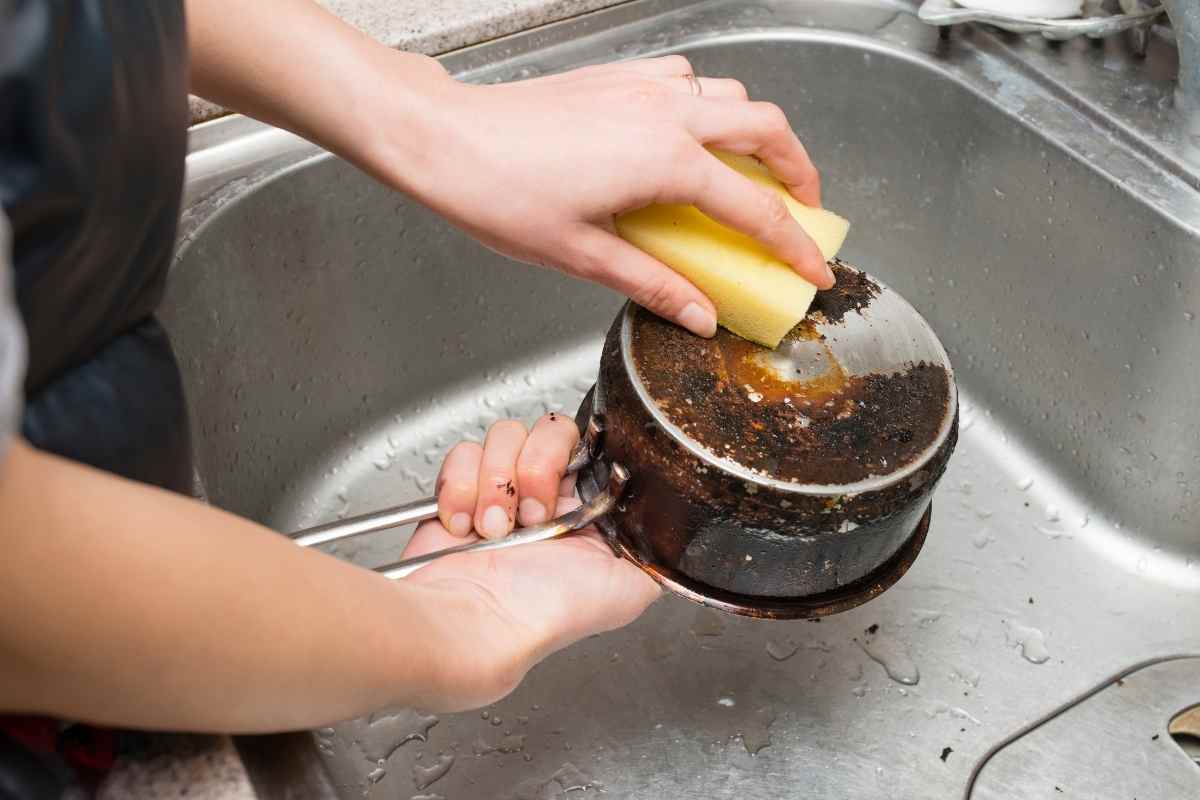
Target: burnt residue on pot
792, 414
853, 291
716, 532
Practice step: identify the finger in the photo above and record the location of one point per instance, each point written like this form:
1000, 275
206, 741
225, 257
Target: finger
458, 486
722, 88
762, 130
608, 259
658, 67
734, 200
431, 536
541, 466
496, 507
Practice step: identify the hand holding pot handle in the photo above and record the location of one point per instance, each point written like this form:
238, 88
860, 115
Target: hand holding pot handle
515, 476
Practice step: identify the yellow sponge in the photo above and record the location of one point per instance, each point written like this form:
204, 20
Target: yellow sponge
757, 296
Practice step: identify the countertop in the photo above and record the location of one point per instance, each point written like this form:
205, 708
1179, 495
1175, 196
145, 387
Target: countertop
438, 26
208, 767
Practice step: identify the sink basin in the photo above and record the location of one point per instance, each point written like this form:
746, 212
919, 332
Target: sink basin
337, 338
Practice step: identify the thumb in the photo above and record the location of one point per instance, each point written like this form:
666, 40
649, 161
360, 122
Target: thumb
431, 535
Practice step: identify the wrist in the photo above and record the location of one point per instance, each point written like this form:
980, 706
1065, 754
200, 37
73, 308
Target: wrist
471, 653
397, 118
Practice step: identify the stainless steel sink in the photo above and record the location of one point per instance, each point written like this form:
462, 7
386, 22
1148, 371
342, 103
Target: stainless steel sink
337, 338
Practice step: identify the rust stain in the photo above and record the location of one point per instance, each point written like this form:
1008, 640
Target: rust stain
744, 363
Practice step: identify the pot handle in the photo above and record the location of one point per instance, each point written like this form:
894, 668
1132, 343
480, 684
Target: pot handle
426, 508
573, 520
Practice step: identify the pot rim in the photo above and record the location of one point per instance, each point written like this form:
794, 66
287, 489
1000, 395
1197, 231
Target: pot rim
729, 466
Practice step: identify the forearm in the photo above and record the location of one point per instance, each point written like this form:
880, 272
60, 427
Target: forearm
538, 169
295, 65
124, 604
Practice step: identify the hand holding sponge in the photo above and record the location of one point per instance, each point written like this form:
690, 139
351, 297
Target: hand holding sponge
757, 296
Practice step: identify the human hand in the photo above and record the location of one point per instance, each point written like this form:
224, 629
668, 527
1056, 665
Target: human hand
531, 600
538, 169
535, 169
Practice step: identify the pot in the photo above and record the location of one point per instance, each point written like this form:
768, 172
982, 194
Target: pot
784, 483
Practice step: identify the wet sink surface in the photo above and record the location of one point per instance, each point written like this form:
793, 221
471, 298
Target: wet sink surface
337, 339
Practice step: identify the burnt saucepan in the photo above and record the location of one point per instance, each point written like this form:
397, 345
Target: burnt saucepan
784, 483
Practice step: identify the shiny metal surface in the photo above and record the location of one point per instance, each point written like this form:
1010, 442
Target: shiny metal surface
1086, 749
945, 12
1185, 18
1037, 204
409, 513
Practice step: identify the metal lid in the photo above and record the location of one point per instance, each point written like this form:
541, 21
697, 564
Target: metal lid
857, 396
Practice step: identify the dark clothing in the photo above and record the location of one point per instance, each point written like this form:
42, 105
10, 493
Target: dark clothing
93, 126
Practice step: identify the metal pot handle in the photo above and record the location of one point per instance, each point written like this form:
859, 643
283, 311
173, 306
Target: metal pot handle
425, 509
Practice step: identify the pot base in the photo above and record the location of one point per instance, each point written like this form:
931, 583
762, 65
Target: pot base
814, 606
811, 606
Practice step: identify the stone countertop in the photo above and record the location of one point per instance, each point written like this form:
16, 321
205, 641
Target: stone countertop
438, 26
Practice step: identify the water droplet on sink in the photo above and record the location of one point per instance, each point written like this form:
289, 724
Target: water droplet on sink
1025, 483
859, 691
424, 776
1053, 533
566, 781
893, 656
781, 649
940, 709
386, 732
967, 675
755, 732
727, 702
376, 775
511, 744
1031, 641
708, 623
982, 539
925, 616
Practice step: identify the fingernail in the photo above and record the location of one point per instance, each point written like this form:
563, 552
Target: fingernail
460, 524
494, 524
532, 512
829, 275
697, 320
